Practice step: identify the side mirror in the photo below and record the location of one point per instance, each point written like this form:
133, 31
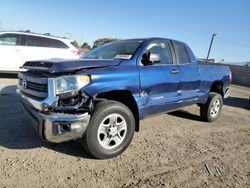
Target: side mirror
150, 58
154, 57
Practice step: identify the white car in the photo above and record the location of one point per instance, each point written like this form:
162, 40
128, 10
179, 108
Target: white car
18, 47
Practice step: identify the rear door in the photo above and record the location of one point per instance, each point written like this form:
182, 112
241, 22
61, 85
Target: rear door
159, 81
189, 75
35, 48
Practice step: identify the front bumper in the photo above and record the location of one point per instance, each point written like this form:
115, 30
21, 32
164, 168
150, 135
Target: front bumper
54, 127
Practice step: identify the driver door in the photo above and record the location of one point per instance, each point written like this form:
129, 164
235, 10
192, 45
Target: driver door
159, 80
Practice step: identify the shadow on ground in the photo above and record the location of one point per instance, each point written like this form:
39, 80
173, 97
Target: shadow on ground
17, 132
9, 75
185, 114
8, 90
237, 102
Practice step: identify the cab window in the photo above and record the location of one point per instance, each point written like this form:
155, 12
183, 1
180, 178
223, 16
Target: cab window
181, 53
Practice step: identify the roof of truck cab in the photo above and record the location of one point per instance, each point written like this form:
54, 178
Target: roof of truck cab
150, 39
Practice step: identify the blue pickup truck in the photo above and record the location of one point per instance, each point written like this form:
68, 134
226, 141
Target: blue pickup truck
100, 99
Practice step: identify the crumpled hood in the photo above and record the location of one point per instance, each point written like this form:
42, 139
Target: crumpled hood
67, 66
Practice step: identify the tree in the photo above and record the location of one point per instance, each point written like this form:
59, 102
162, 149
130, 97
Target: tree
86, 45
102, 41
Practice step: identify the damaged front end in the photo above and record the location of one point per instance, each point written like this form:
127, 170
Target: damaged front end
58, 107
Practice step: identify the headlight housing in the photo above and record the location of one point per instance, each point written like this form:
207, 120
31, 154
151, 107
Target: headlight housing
68, 84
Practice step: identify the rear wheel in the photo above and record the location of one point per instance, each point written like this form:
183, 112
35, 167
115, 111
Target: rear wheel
110, 131
211, 110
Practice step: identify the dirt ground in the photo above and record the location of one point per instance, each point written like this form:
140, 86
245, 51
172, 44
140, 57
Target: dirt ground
171, 150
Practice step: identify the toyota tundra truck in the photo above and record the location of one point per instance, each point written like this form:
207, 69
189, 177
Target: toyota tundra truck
100, 99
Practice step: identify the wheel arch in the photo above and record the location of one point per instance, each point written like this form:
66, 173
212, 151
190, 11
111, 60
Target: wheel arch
125, 97
217, 87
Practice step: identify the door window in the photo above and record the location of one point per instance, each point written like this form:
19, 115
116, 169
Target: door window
181, 53
57, 44
10, 39
35, 41
44, 42
163, 49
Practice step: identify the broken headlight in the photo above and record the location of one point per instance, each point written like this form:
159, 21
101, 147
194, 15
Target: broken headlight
71, 84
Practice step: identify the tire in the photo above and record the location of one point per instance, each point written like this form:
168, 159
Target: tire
110, 131
211, 110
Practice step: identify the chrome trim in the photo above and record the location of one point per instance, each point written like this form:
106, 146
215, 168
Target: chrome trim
50, 101
32, 92
52, 132
227, 93
50, 126
24, 84
34, 68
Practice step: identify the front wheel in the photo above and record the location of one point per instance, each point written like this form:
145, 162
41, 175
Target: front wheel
211, 110
110, 131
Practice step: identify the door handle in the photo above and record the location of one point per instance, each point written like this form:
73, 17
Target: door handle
174, 71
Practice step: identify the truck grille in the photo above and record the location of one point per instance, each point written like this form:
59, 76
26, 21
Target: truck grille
35, 86
32, 85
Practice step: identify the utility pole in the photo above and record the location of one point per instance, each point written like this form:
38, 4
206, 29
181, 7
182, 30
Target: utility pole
212, 39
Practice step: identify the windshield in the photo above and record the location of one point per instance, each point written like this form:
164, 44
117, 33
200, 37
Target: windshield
123, 49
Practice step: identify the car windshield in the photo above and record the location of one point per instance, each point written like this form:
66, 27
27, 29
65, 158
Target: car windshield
123, 49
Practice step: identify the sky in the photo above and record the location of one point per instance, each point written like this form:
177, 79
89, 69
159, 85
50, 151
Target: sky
190, 21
